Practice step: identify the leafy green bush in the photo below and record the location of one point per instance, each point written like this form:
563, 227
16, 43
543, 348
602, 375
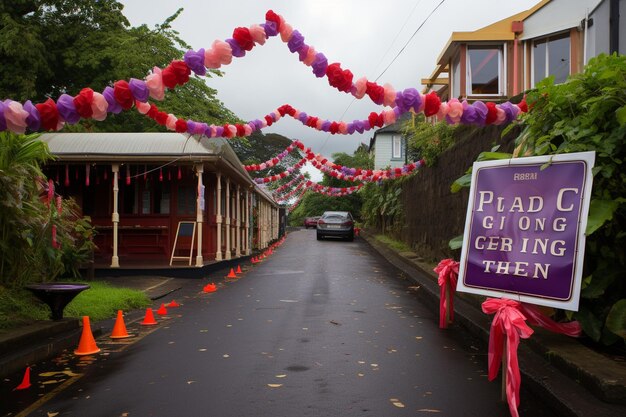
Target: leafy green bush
427, 140
588, 113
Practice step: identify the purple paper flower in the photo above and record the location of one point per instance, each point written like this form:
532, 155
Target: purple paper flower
200, 128
219, 131
139, 90
407, 99
3, 122
258, 123
302, 117
296, 42
33, 120
209, 132
469, 114
195, 61
237, 51
359, 126
114, 106
326, 125
253, 126
190, 126
270, 28
510, 111
67, 110
481, 112
320, 63
351, 128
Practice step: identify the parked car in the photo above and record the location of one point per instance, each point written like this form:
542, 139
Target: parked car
336, 224
311, 221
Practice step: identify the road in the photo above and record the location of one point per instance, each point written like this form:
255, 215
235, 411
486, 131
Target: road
318, 329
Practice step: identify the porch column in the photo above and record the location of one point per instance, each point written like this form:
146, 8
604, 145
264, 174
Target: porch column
115, 260
218, 218
238, 224
227, 254
200, 214
247, 228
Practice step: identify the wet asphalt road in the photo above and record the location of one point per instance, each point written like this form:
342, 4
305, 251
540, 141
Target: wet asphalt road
318, 329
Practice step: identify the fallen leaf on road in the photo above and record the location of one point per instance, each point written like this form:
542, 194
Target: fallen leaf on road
52, 414
418, 337
396, 402
281, 376
360, 374
226, 355
428, 410
335, 323
190, 382
202, 350
274, 385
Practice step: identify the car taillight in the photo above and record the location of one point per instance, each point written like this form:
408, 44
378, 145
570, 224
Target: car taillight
348, 223
320, 221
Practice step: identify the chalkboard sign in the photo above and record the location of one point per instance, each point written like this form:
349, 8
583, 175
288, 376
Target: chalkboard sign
184, 229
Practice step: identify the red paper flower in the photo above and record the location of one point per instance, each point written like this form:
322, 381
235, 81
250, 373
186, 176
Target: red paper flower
122, 94
161, 118
376, 92
152, 113
334, 128
338, 78
168, 76
49, 114
269, 120
83, 101
243, 37
181, 71
241, 132
523, 106
376, 120
273, 17
181, 126
492, 112
432, 102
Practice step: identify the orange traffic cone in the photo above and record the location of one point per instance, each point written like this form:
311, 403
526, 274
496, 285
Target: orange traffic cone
87, 344
210, 288
238, 271
173, 303
119, 329
162, 310
231, 274
26, 381
149, 320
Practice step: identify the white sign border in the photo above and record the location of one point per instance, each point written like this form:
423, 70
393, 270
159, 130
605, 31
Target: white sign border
572, 303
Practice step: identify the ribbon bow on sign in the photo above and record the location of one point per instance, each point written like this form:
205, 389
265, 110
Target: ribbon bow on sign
448, 270
510, 322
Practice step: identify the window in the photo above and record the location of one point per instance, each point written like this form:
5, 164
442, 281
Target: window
551, 56
396, 147
186, 200
484, 70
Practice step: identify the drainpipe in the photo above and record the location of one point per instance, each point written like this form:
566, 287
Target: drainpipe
200, 214
517, 27
115, 217
614, 26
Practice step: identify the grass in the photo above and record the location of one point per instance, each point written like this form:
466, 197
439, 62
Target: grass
393, 244
19, 307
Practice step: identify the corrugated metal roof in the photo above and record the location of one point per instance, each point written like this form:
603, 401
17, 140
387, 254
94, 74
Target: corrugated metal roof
156, 146
139, 144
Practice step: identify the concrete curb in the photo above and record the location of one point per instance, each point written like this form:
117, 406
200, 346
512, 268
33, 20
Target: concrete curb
539, 371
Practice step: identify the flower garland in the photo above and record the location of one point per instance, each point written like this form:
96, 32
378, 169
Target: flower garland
320, 189
287, 185
275, 160
88, 104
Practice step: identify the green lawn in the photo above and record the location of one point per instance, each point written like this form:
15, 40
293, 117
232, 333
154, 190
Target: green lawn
19, 307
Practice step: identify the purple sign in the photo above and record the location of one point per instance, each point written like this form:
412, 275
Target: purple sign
524, 233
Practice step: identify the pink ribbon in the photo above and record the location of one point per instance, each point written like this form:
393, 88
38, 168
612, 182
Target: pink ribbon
535, 317
448, 270
508, 322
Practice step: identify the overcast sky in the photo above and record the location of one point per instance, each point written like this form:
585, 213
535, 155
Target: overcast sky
363, 35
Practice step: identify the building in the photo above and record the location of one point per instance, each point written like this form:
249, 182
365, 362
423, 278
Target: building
389, 145
553, 38
145, 192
